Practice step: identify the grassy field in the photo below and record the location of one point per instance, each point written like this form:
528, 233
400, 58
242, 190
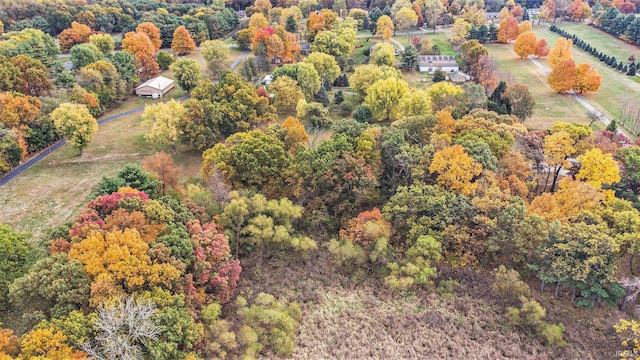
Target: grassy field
55, 190
615, 85
604, 42
550, 106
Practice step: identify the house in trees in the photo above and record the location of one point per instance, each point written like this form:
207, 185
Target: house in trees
156, 87
305, 48
431, 63
458, 77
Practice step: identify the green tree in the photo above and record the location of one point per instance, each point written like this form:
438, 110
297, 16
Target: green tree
291, 24
187, 73
54, 286
308, 80
104, 43
75, 123
125, 64
287, 93
84, 54
14, 254
162, 120
410, 58
383, 98
164, 60
131, 175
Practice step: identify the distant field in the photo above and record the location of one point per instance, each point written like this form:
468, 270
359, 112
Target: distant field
55, 190
550, 106
601, 40
615, 85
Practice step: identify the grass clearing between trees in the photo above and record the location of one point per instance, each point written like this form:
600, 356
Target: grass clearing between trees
616, 86
550, 106
56, 189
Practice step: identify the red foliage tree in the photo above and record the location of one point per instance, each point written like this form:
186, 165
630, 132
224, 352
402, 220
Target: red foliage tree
76, 34
106, 204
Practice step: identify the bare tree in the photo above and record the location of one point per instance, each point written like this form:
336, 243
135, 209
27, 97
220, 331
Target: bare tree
122, 328
632, 289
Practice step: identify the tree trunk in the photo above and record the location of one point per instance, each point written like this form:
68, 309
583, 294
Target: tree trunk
555, 179
555, 294
573, 295
624, 299
542, 286
631, 264
546, 182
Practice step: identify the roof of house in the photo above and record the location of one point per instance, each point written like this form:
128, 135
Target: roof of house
438, 60
159, 83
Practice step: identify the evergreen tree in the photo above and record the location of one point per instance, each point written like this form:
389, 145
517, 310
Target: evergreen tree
632, 69
291, 25
410, 58
438, 76
322, 97
342, 81
338, 98
493, 33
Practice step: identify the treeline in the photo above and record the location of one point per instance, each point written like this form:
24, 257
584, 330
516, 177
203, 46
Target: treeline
625, 27
210, 19
629, 69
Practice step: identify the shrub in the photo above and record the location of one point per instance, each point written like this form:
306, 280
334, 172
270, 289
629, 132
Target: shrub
362, 114
509, 286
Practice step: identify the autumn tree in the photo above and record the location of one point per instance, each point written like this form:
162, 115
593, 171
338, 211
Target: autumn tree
18, 111
76, 123
162, 121
118, 262
455, 169
383, 54
365, 75
525, 44
182, 43
587, 78
561, 51
524, 27
385, 27
460, 31
384, 96
414, 103
597, 168
433, 9
325, 65
216, 53
161, 164
84, 54
405, 18
563, 76
152, 31
138, 44
187, 73
287, 93
76, 34
508, 29
45, 343
541, 49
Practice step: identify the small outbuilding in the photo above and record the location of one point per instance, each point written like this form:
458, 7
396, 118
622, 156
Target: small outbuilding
156, 87
458, 77
431, 63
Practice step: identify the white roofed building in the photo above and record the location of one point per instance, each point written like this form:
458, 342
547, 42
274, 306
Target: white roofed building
156, 87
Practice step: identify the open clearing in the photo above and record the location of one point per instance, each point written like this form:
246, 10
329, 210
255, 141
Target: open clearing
54, 190
616, 86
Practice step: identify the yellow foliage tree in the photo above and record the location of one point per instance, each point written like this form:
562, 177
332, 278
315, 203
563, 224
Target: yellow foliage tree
414, 103
587, 78
182, 41
455, 169
571, 199
525, 44
598, 168
296, 133
45, 343
383, 98
524, 27
384, 27
117, 261
561, 51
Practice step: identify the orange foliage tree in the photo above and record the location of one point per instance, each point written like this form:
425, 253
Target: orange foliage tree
587, 78
138, 44
182, 41
296, 133
162, 165
76, 34
525, 44
148, 68
18, 111
508, 29
542, 49
563, 76
152, 32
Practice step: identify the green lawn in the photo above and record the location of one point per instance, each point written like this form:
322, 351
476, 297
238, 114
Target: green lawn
55, 189
550, 106
615, 85
604, 42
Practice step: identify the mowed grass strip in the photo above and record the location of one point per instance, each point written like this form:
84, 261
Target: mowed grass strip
616, 86
602, 41
55, 190
550, 106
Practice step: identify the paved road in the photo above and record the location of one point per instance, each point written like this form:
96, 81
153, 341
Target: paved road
585, 104
32, 161
237, 61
